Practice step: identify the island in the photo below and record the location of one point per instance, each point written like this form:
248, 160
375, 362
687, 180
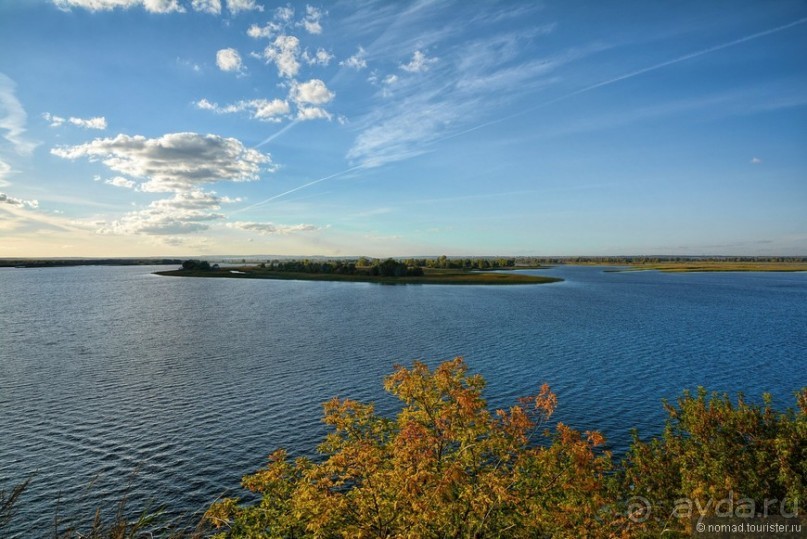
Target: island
389, 271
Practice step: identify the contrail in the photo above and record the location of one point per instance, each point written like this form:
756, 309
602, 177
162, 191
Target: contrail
309, 184
631, 75
273, 136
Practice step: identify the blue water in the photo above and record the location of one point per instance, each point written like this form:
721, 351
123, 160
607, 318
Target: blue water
192, 382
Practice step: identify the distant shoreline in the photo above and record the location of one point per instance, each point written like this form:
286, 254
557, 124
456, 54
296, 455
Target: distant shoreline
436, 277
692, 267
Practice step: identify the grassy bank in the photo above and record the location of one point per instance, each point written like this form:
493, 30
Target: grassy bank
430, 276
689, 266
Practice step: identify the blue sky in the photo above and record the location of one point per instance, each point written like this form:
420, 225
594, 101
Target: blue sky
193, 127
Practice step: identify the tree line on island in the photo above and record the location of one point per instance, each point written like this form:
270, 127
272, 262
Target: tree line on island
390, 267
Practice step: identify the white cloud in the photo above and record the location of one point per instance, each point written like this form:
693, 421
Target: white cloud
311, 20
175, 161
357, 61
120, 181
162, 6
313, 92
271, 228
13, 118
99, 122
284, 53
260, 109
212, 7
265, 109
204, 104
20, 203
272, 28
5, 170
756, 161
283, 20
228, 60
186, 212
237, 6
152, 6
321, 57
55, 121
473, 84
404, 129
390, 79
312, 113
419, 63
284, 13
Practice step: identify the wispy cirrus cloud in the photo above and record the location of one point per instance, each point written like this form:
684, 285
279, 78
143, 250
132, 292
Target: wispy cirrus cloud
271, 228
471, 81
13, 118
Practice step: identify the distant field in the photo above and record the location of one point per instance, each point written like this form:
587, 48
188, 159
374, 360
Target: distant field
718, 266
439, 276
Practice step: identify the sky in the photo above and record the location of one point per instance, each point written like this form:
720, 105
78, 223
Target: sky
133, 128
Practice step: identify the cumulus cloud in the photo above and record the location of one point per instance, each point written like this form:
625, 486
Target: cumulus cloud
357, 61
756, 161
152, 6
212, 7
284, 13
266, 110
313, 92
184, 213
13, 118
311, 20
237, 6
120, 181
99, 122
284, 52
270, 29
228, 60
419, 63
175, 161
312, 113
271, 228
20, 203
321, 57
283, 20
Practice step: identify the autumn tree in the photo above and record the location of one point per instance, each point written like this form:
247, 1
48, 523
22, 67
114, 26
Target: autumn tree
446, 466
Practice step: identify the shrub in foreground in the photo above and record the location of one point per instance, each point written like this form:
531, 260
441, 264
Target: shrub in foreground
446, 466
